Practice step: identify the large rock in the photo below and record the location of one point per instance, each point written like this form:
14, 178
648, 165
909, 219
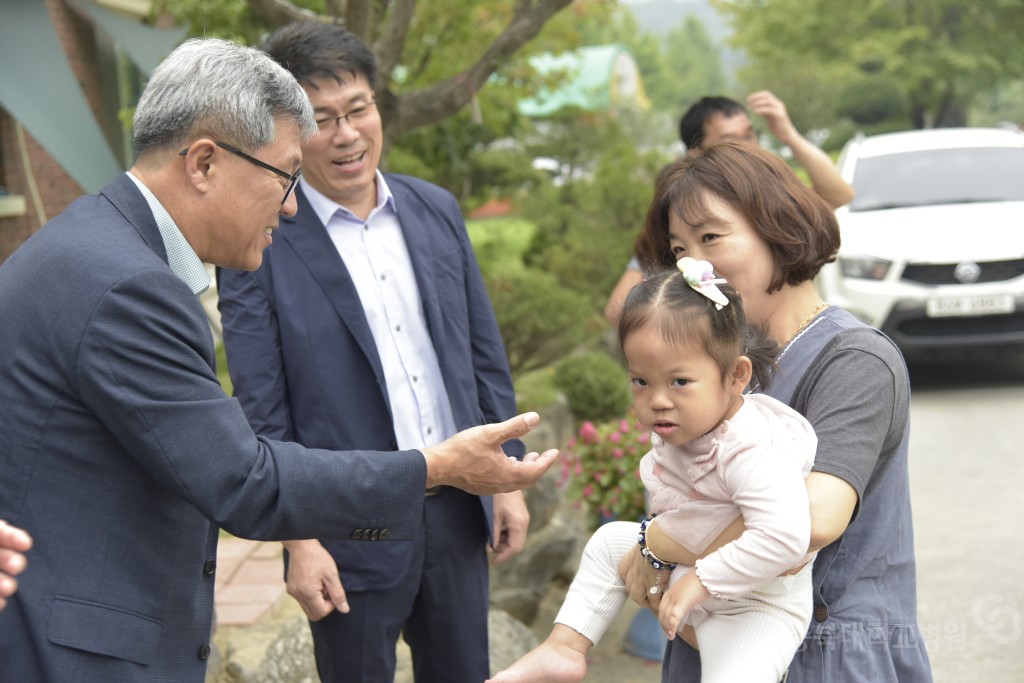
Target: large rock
280, 650
518, 585
275, 650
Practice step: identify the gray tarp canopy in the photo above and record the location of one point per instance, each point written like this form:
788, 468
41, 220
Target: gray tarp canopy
39, 90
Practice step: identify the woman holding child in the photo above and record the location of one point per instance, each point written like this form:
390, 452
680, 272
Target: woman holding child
743, 209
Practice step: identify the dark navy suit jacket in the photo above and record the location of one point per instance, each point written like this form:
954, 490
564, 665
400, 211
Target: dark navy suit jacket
121, 455
303, 360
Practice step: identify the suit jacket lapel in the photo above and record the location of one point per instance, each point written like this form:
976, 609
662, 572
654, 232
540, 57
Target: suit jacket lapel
129, 201
308, 237
419, 229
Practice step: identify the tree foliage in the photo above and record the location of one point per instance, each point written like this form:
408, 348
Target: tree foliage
943, 53
435, 56
678, 68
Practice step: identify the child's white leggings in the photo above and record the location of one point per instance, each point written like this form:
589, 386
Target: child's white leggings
751, 638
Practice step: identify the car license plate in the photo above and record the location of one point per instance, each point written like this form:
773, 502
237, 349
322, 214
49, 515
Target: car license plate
994, 304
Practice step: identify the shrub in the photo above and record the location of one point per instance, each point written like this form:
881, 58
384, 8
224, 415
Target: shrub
595, 386
600, 470
540, 322
872, 99
535, 390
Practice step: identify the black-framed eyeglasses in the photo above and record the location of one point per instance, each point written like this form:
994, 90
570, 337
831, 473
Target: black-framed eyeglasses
352, 118
292, 178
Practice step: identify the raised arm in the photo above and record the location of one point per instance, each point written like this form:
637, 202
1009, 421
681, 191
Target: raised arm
825, 178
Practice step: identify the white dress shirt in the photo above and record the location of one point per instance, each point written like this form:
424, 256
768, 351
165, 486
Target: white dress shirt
376, 256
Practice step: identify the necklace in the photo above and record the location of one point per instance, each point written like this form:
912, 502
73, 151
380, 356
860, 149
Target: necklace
817, 309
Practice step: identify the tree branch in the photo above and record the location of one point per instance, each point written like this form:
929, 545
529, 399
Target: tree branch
359, 20
443, 99
388, 47
280, 12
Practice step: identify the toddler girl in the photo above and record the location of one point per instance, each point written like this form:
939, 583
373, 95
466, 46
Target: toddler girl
717, 453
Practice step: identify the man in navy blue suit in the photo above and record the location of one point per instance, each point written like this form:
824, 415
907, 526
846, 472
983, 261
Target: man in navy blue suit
368, 326
118, 448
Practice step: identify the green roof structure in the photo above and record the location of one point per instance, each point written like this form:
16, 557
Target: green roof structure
596, 78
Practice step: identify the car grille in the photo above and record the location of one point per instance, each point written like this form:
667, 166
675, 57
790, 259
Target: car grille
942, 274
962, 327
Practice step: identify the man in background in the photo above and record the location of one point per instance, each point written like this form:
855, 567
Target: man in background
368, 326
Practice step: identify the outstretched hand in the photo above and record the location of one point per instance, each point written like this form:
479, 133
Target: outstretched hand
473, 460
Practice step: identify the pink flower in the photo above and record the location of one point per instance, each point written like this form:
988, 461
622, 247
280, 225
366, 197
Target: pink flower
624, 426
615, 437
588, 491
579, 468
617, 453
644, 438
588, 432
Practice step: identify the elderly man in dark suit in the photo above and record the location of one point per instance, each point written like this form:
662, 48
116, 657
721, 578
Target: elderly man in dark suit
368, 326
118, 448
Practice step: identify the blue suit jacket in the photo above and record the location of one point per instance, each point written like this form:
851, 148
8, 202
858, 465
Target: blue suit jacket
121, 455
303, 360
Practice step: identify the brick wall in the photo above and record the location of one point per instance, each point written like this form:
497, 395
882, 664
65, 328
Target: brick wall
55, 187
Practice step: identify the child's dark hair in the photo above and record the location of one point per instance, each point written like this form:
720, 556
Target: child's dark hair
684, 314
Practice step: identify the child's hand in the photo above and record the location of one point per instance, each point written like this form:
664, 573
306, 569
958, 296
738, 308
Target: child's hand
678, 600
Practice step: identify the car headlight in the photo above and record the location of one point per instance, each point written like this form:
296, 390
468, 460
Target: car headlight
864, 267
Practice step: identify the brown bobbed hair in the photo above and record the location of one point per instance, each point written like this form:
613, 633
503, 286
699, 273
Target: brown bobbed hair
799, 227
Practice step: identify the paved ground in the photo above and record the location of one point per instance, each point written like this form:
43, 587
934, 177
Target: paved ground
249, 580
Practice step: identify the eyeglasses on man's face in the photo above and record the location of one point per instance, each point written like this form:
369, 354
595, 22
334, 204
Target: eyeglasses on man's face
291, 178
353, 118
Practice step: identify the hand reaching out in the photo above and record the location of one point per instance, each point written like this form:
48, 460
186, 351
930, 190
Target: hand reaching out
473, 461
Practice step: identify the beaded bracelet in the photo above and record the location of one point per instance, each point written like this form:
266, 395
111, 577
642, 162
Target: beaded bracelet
652, 559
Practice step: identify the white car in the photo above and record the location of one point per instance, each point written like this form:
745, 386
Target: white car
933, 243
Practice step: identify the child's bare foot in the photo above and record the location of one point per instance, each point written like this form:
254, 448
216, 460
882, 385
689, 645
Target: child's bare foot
550, 662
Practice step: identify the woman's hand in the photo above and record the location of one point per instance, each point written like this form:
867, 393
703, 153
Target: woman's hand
639, 576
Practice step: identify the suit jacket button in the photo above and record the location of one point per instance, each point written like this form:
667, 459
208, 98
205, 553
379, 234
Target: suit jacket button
209, 567
357, 535
204, 652
820, 613
384, 533
375, 536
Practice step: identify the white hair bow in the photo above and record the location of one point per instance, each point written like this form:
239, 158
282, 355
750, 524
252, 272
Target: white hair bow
700, 275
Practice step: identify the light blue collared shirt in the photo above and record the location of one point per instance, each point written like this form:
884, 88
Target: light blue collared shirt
180, 255
376, 256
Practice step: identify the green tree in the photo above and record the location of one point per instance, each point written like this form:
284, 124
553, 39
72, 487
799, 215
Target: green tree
943, 53
435, 56
694, 64
677, 68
